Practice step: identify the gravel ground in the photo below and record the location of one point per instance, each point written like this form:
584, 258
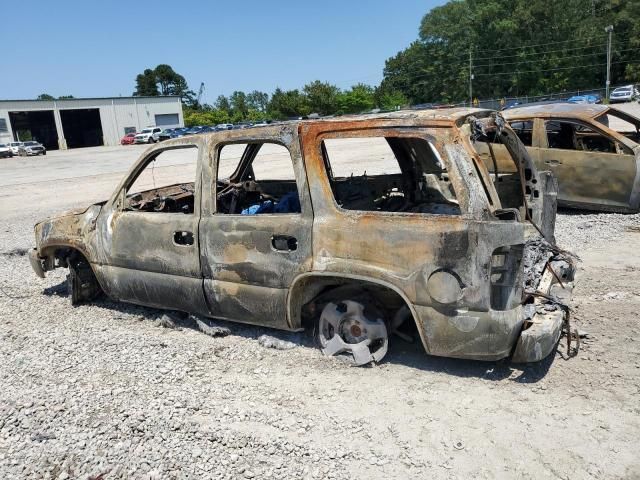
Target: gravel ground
100, 392
577, 230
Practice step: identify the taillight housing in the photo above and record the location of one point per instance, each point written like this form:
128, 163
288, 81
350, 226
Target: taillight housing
506, 277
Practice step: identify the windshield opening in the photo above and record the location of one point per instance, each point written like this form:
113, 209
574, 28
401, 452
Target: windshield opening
621, 122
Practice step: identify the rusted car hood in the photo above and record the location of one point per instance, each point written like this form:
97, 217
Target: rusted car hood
73, 211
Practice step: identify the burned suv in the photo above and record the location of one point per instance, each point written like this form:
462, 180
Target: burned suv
359, 226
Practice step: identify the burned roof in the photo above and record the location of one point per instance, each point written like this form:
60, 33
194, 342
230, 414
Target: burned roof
557, 110
454, 116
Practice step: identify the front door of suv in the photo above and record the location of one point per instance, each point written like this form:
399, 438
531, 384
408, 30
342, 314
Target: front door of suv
149, 232
255, 231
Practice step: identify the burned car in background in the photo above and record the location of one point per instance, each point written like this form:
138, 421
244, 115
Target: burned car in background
593, 150
358, 226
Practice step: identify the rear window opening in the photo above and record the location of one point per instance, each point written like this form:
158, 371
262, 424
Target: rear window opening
389, 174
499, 152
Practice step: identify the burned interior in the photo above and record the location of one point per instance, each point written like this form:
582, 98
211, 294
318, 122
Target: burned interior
251, 188
388, 174
165, 183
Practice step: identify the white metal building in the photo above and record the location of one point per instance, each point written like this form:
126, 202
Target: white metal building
85, 122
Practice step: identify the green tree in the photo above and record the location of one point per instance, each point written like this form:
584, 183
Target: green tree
239, 107
65, 97
146, 84
194, 117
163, 80
45, 96
287, 104
517, 46
222, 103
258, 101
322, 97
358, 99
390, 99
166, 78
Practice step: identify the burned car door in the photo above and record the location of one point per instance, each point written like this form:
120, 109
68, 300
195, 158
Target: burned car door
255, 232
149, 232
592, 168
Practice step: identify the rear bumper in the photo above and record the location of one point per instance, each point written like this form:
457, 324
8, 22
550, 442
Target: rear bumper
539, 340
467, 334
491, 335
530, 333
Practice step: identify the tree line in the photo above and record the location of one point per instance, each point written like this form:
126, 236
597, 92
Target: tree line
516, 47
317, 97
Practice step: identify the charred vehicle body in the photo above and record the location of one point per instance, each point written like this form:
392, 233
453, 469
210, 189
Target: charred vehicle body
359, 226
593, 150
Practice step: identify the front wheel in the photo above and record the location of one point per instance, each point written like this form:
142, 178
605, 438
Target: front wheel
81, 281
151, 140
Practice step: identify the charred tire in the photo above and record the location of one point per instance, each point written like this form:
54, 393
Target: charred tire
82, 283
353, 326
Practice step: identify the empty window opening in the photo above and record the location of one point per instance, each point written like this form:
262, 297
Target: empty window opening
255, 179
166, 183
389, 174
524, 131
502, 157
576, 136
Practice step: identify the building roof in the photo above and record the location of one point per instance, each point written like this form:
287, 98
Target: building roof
89, 98
557, 110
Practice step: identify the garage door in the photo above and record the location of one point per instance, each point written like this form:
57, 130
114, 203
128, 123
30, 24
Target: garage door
167, 120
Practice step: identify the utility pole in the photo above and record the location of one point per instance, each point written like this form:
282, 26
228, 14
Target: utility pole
470, 79
609, 30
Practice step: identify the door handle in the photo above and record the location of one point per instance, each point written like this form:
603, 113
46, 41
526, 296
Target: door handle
284, 242
553, 163
183, 238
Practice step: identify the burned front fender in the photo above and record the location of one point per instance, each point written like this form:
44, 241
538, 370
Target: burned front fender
72, 230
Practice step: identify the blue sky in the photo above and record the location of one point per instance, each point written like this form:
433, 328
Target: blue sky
96, 48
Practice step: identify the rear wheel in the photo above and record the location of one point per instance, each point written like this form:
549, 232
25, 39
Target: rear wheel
355, 328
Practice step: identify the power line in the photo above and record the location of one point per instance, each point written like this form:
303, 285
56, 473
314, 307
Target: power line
598, 45
517, 72
535, 70
548, 43
411, 82
568, 57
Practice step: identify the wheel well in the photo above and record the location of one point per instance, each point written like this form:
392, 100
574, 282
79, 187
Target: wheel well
311, 293
58, 256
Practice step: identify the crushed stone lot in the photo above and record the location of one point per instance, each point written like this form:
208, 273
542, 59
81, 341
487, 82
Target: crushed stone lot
102, 391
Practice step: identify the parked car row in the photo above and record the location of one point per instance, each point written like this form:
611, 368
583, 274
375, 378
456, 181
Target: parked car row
627, 93
22, 149
157, 134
